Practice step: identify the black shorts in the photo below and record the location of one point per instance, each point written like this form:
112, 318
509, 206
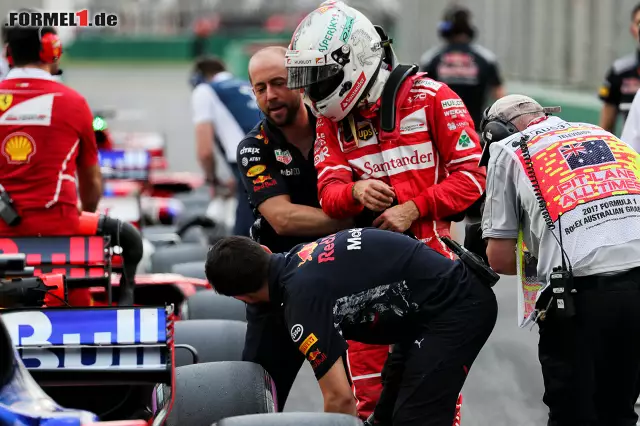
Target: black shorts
423, 377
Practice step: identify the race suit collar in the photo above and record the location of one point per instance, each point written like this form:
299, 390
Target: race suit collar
277, 264
16, 73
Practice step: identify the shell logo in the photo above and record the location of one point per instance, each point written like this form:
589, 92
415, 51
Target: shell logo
256, 170
18, 148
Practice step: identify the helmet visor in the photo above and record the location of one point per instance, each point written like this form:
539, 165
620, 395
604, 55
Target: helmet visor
299, 77
307, 67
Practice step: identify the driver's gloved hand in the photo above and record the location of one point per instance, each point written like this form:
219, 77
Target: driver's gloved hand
254, 231
371, 421
473, 240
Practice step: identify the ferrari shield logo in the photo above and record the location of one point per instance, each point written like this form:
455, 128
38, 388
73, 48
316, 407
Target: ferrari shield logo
5, 101
283, 156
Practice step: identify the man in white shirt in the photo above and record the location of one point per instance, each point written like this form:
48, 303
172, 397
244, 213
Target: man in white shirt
571, 192
224, 110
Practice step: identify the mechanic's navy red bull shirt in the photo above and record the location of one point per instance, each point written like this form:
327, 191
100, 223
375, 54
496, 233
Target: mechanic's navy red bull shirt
46, 134
271, 166
367, 285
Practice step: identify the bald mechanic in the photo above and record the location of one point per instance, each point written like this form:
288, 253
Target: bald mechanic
276, 165
275, 160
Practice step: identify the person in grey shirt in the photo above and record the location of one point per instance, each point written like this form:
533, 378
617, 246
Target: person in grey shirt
552, 181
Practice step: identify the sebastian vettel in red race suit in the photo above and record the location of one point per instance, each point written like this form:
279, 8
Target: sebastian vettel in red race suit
392, 146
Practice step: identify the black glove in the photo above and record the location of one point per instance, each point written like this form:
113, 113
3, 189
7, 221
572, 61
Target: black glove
370, 421
473, 241
254, 231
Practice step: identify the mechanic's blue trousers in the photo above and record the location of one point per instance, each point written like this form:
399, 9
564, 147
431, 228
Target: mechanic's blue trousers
244, 213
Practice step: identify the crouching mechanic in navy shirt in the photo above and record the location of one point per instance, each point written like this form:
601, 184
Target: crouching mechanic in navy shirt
224, 110
370, 286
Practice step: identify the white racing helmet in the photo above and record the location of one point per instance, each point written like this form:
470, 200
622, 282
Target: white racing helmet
335, 55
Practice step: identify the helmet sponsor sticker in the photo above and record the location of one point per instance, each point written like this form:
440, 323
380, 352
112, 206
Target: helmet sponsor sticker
351, 96
346, 32
331, 30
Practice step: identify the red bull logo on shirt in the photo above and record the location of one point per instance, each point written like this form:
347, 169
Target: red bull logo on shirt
306, 254
316, 357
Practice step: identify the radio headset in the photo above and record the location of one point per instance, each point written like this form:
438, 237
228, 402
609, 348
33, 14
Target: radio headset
562, 276
50, 49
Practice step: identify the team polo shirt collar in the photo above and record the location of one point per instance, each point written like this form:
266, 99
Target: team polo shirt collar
19, 73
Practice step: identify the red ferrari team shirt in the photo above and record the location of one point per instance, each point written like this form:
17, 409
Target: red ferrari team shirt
46, 134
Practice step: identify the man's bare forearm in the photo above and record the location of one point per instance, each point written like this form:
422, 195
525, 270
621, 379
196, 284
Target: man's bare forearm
341, 406
90, 198
608, 117
204, 149
302, 220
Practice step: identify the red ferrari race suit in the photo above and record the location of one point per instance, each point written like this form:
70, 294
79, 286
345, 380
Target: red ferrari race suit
46, 134
430, 158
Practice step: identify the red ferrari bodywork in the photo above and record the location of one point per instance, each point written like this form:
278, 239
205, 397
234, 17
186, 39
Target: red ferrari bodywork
150, 288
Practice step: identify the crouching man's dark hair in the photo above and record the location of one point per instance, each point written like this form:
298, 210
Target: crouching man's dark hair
236, 266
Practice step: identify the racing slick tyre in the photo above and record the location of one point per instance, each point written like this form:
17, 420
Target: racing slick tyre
208, 304
207, 393
194, 204
195, 234
161, 235
191, 270
164, 258
213, 340
291, 419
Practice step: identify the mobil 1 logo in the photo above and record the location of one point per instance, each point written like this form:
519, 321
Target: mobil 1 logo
355, 240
